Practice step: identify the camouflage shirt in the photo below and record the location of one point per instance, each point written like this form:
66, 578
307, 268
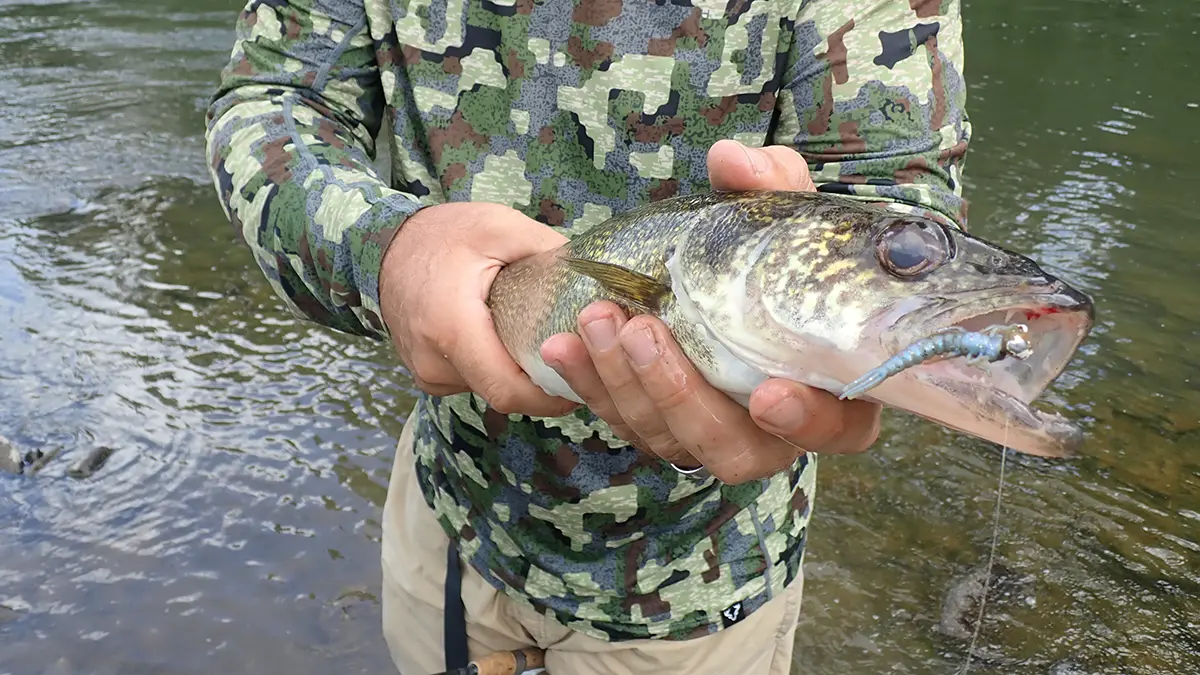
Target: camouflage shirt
570, 111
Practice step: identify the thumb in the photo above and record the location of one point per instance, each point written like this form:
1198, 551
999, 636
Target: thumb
733, 166
514, 236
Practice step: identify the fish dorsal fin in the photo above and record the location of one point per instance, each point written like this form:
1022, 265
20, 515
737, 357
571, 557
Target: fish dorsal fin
637, 289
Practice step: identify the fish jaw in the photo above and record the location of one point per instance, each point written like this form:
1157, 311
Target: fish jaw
988, 413
992, 401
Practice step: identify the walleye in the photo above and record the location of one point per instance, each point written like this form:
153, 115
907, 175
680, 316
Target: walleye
822, 290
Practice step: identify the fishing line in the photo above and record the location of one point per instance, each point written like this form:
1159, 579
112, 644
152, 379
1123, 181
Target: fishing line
987, 574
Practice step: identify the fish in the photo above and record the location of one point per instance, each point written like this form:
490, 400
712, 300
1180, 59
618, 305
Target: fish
820, 289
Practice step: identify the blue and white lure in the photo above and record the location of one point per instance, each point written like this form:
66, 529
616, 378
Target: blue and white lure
988, 345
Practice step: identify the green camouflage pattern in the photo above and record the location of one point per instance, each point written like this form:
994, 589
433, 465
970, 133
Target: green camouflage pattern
571, 111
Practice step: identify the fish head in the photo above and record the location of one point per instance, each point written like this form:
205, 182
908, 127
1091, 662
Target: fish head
825, 295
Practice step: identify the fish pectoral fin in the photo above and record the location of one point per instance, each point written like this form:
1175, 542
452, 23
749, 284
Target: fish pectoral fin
632, 286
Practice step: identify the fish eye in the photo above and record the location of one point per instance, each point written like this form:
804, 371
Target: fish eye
910, 248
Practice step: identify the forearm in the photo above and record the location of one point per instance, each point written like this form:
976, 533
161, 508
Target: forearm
876, 102
289, 137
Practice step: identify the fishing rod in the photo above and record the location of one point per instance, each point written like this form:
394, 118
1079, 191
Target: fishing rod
529, 661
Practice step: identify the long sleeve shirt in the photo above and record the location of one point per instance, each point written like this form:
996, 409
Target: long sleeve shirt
571, 111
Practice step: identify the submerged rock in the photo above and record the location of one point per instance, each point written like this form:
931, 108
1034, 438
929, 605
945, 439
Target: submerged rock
1006, 590
91, 463
960, 609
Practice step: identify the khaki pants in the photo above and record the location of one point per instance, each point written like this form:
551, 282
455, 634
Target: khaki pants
414, 568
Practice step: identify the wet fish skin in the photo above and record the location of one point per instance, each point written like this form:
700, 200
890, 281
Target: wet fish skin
810, 287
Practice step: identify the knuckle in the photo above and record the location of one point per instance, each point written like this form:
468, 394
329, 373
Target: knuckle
503, 406
437, 341
422, 338
609, 414
668, 448
615, 373
419, 372
499, 397
594, 396
726, 475
783, 157
741, 466
783, 459
500, 400
576, 373
662, 442
671, 394
645, 420
422, 371
424, 328
434, 389
790, 164
624, 432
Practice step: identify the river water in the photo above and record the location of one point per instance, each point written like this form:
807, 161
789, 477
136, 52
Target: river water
235, 527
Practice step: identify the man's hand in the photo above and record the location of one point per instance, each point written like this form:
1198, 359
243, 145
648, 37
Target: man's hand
433, 289
632, 374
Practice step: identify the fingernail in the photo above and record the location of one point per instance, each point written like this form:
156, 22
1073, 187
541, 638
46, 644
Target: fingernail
602, 333
640, 346
758, 160
785, 414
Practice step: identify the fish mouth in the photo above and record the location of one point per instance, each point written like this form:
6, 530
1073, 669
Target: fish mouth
1058, 317
992, 400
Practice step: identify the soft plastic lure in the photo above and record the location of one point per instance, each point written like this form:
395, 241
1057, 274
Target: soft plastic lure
988, 345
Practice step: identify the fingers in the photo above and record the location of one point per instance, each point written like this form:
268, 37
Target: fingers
430, 371
704, 421
567, 354
633, 374
814, 419
601, 324
733, 166
785, 418
490, 371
